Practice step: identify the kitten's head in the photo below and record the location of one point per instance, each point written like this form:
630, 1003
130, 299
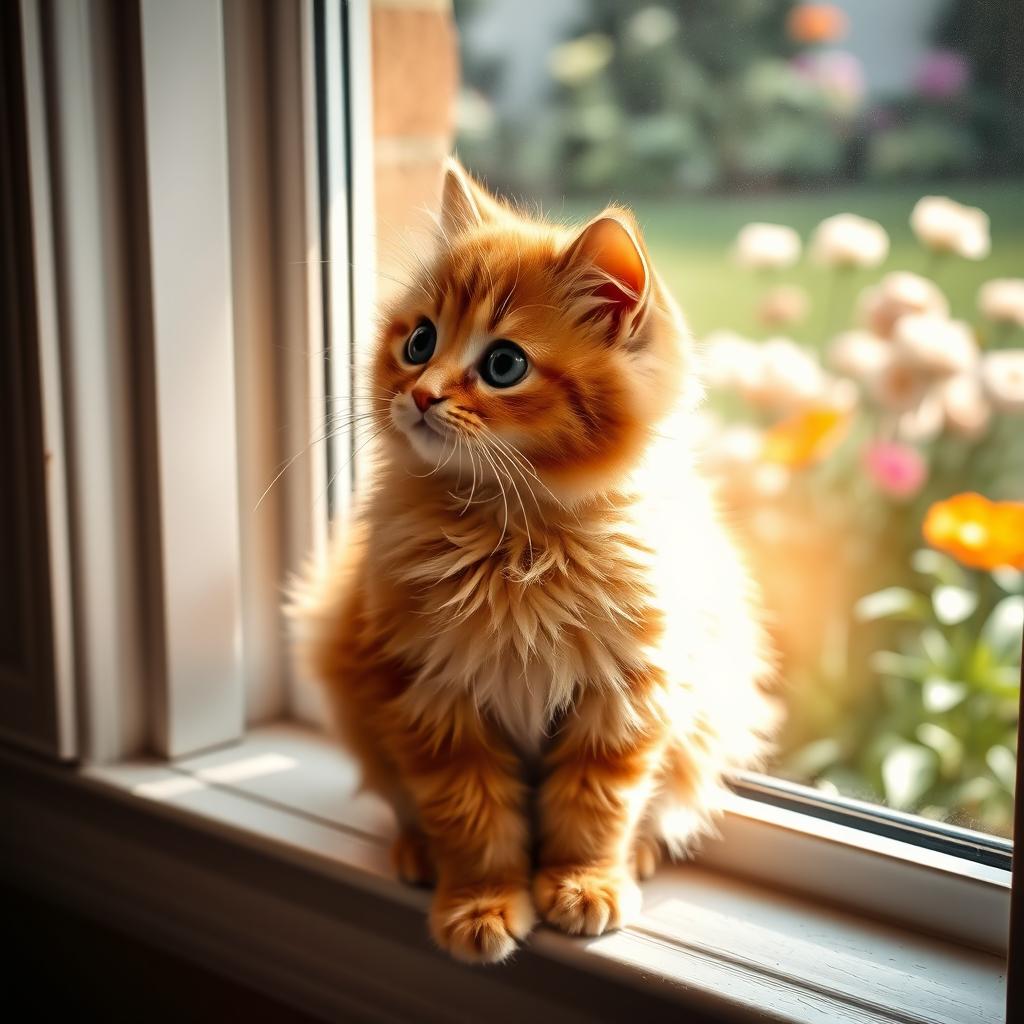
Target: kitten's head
527, 348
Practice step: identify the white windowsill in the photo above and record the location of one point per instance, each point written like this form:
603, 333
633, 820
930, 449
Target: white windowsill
705, 938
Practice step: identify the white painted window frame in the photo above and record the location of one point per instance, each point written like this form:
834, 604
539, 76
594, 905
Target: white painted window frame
177, 250
141, 683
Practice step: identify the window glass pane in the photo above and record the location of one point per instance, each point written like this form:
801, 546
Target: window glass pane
866, 373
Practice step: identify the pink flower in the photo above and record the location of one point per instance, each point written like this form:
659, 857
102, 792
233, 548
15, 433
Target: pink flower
838, 74
896, 469
942, 74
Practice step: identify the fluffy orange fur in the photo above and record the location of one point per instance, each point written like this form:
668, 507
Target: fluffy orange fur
535, 635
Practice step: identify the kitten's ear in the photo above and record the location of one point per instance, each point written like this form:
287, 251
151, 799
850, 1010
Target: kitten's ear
610, 259
464, 204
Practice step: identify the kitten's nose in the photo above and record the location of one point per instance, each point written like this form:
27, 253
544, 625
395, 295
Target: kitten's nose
424, 399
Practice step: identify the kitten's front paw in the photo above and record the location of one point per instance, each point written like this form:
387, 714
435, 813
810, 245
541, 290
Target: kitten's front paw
586, 900
481, 923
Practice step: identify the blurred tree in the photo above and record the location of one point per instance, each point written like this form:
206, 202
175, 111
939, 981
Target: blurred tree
687, 94
990, 34
675, 94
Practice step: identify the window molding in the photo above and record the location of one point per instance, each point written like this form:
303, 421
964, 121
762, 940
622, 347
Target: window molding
877, 819
36, 695
199, 700
183, 334
345, 97
278, 326
78, 142
881, 877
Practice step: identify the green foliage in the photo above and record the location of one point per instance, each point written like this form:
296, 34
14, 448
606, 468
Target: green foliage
937, 733
679, 94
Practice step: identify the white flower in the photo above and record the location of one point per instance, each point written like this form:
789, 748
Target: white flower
1003, 300
923, 422
896, 295
840, 394
847, 240
769, 479
728, 360
739, 444
1002, 375
732, 456
897, 385
789, 375
964, 405
935, 345
858, 354
767, 246
945, 225
786, 304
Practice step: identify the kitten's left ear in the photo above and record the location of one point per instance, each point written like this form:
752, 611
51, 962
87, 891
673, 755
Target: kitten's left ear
464, 204
613, 268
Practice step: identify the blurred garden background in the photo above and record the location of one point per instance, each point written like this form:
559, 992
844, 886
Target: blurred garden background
866, 373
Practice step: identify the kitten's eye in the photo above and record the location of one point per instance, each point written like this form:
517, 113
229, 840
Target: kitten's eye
504, 365
420, 346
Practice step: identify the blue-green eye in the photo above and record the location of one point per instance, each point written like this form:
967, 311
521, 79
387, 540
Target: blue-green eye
420, 346
504, 364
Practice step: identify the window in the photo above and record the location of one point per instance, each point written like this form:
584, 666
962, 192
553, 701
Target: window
779, 157
207, 251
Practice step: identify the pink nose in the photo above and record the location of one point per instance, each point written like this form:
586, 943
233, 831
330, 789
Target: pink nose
424, 399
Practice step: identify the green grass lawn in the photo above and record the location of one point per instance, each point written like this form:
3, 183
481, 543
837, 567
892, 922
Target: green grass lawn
690, 240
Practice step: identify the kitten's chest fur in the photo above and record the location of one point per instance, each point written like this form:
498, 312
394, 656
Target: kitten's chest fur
521, 619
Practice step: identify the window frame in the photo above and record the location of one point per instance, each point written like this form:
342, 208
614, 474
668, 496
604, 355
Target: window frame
127, 658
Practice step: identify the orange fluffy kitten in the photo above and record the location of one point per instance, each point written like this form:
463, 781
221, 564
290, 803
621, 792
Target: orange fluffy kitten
535, 635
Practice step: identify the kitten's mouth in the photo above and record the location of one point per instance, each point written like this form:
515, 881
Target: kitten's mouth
428, 438
423, 426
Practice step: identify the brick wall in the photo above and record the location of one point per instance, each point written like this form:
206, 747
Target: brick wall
415, 82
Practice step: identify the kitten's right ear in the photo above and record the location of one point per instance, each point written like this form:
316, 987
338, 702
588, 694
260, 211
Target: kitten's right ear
464, 204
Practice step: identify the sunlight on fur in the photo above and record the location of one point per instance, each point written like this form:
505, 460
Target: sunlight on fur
535, 635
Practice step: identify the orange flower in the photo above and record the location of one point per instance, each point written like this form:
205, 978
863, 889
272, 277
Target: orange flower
816, 23
979, 533
805, 438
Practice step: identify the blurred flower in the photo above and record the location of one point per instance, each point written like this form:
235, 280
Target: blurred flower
579, 59
935, 345
897, 385
474, 114
769, 479
896, 469
784, 376
767, 246
652, 26
838, 76
945, 225
733, 458
1002, 375
806, 437
1003, 300
727, 360
858, 354
738, 445
787, 304
847, 240
977, 532
897, 294
965, 408
923, 422
942, 74
816, 23
840, 394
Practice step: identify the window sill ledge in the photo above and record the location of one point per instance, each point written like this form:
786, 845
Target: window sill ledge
257, 861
